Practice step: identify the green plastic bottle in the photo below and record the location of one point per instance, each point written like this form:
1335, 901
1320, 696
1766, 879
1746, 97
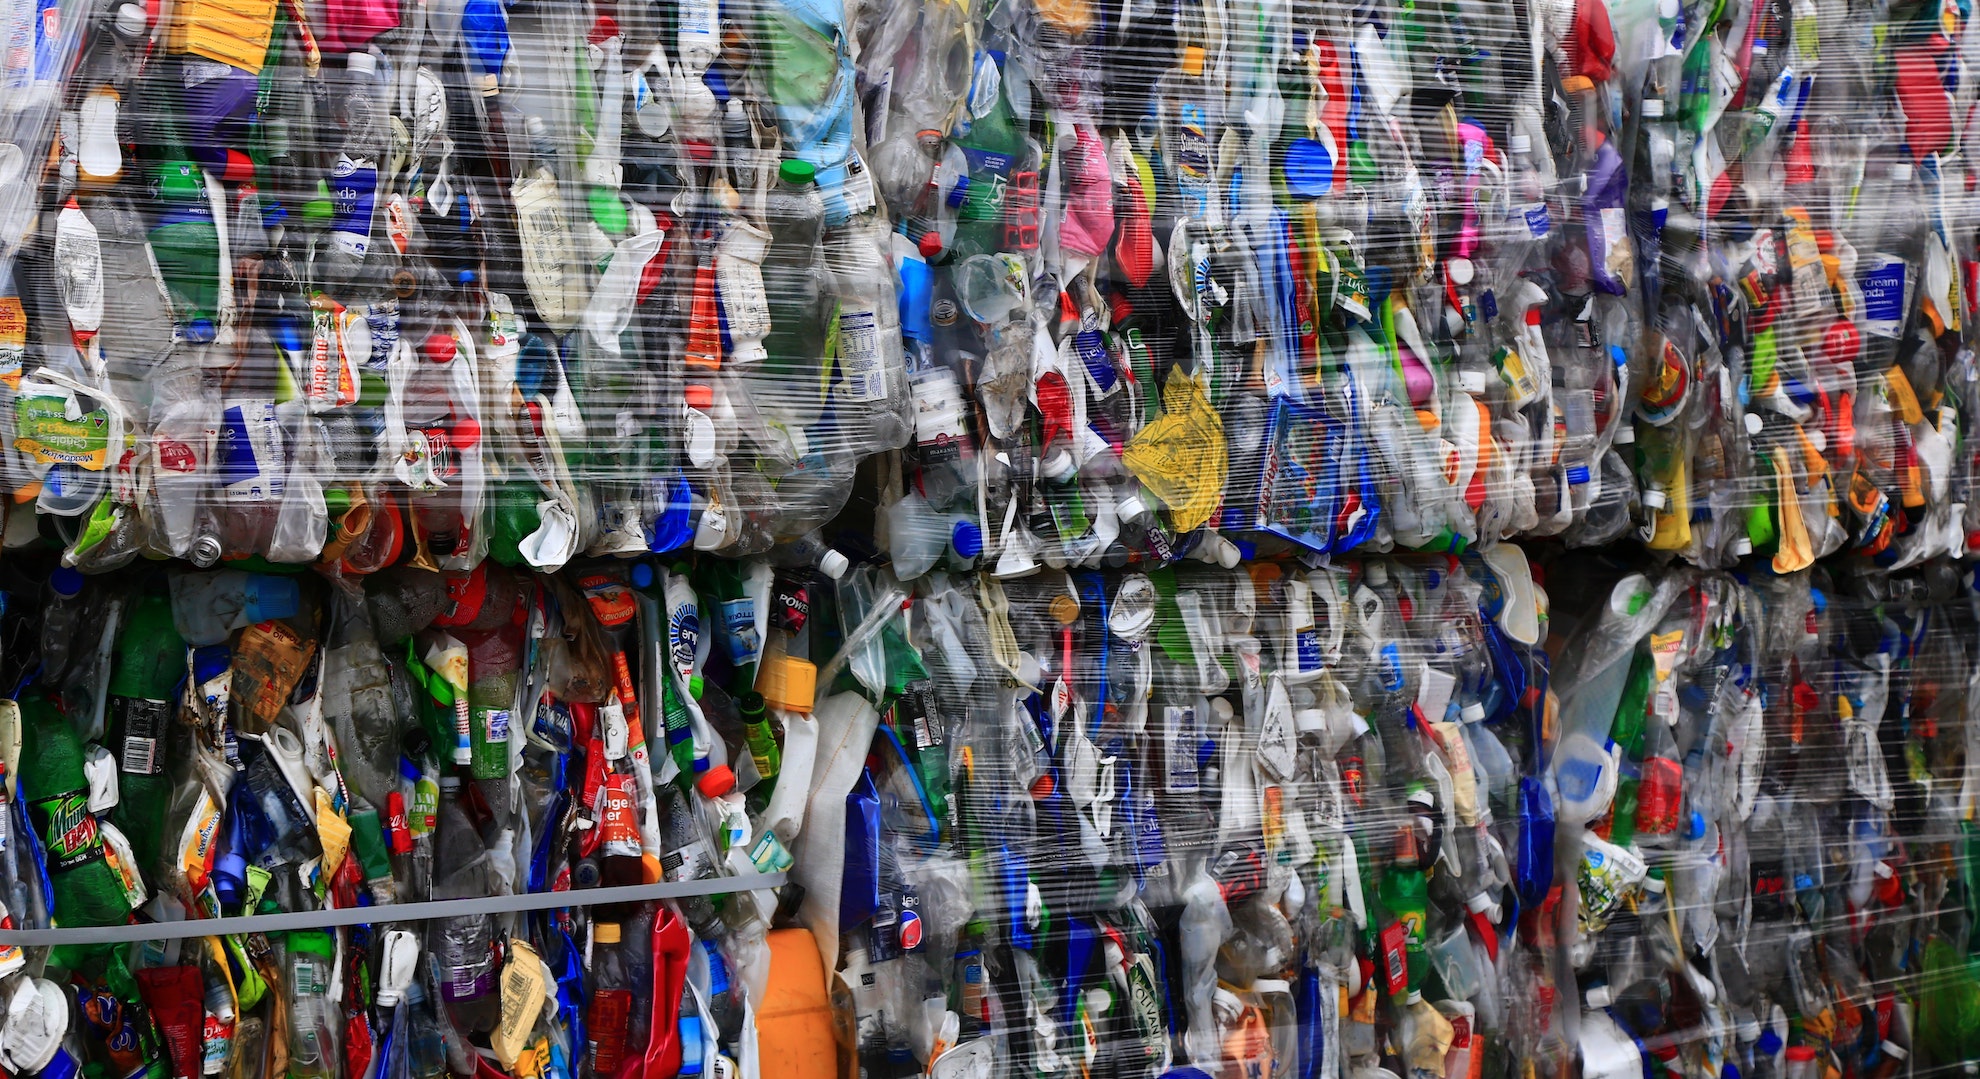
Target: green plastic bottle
145, 671
87, 890
187, 245
992, 147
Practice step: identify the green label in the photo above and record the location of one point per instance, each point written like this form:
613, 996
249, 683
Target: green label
68, 830
43, 429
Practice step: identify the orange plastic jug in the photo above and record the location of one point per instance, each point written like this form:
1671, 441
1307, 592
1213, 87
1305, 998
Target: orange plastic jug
794, 1036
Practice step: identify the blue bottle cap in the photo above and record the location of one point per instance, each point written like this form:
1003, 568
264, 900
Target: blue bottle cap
959, 193
967, 539
66, 581
642, 575
269, 596
1770, 1042
200, 331
63, 1066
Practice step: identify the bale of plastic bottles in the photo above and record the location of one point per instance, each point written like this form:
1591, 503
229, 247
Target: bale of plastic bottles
1038, 539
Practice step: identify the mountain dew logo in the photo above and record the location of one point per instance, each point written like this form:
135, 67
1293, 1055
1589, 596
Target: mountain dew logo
68, 829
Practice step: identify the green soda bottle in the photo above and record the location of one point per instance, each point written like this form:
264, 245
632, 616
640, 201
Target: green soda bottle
187, 245
991, 146
145, 671
87, 890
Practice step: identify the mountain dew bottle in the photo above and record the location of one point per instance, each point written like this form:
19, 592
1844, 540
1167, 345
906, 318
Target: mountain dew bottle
149, 662
87, 890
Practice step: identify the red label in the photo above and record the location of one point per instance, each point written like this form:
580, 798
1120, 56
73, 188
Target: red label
1395, 961
395, 823
611, 1015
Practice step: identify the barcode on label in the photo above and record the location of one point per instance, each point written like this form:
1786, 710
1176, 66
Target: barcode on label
140, 756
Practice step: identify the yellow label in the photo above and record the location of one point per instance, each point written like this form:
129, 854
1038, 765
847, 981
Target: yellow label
234, 32
13, 340
333, 831
1181, 456
523, 993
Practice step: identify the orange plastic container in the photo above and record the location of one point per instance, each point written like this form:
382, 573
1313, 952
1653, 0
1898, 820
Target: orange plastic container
794, 1034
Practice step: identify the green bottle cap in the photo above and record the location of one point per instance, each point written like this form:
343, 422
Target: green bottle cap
797, 172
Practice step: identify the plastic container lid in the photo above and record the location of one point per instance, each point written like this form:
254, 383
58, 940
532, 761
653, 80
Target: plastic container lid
716, 781
967, 538
832, 564
797, 172
66, 581
268, 596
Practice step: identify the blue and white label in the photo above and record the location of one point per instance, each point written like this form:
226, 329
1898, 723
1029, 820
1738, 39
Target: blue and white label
1882, 283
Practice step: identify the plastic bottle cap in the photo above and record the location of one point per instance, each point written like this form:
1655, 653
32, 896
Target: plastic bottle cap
1521, 144
1599, 996
642, 575
716, 781
1754, 423
131, 21
700, 396
66, 581
1415, 997
1653, 108
930, 244
362, 63
1270, 985
1377, 573
1654, 499
696, 686
967, 539
605, 933
797, 173
833, 564
1742, 547
1901, 172
1472, 712
1894, 1050
1800, 1053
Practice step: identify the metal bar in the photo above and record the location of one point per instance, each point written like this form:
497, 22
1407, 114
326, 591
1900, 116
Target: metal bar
391, 912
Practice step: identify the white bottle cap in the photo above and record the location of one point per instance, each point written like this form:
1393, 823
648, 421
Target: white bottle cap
361, 62
1742, 547
1901, 171
1521, 144
1754, 423
833, 564
1600, 997
1270, 985
1654, 499
1625, 434
1653, 108
1472, 712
